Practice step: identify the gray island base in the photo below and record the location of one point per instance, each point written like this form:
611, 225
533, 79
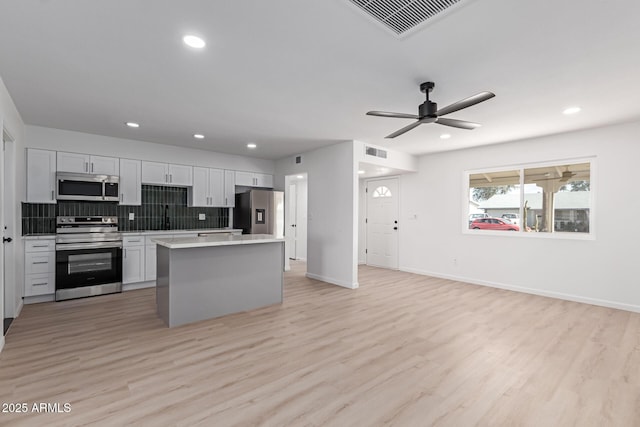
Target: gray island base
205, 277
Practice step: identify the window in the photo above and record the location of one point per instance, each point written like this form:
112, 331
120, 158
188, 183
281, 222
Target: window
544, 198
381, 191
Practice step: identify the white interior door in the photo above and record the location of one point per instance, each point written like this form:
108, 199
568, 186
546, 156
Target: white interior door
292, 218
382, 223
2, 184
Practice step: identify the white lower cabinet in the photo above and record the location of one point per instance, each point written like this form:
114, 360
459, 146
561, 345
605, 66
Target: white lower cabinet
150, 256
139, 256
39, 267
133, 259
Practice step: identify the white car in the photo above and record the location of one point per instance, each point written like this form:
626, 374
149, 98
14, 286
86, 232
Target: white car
514, 218
475, 216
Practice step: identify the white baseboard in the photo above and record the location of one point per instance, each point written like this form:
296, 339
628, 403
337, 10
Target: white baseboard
332, 281
1, 343
532, 291
19, 308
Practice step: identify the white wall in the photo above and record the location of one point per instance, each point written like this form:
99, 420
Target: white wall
395, 159
11, 121
601, 271
77, 142
332, 211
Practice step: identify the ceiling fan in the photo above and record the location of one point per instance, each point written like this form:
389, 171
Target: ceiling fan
428, 112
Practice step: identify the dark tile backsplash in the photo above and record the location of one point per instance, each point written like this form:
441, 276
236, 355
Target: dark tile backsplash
163, 208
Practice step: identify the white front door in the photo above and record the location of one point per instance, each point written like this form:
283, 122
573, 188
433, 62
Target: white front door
382, 223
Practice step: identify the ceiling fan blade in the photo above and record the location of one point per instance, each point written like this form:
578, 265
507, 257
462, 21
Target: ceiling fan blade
457, 123
467, 102
405, 129
393, 115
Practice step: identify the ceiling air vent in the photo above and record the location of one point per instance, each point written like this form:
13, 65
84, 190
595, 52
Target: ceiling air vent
371, 151
401, 16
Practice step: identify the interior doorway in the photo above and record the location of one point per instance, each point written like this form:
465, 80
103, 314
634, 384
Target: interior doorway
382, 222
296, 216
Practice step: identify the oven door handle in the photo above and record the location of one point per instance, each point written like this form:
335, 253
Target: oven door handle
80, 246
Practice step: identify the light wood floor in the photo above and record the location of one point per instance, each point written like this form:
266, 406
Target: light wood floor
403, 350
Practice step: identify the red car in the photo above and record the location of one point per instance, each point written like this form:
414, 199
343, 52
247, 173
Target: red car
493, 224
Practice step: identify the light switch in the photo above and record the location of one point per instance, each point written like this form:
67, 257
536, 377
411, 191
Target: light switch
202, 217
132, 216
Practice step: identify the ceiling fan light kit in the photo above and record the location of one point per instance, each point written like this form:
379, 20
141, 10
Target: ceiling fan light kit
428, 112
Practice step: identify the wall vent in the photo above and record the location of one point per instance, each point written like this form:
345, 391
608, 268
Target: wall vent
371, 151
401, 16
298, 159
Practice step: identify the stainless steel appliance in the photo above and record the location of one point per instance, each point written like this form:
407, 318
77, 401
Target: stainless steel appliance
88, 256
260, 212
81, 186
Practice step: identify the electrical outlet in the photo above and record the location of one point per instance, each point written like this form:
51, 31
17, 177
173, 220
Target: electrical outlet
132, 216
202, 217
455, 262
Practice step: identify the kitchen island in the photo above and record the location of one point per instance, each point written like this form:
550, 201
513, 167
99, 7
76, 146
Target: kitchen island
201, 278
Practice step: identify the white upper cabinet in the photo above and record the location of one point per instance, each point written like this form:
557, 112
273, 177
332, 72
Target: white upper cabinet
104, 165
208, 187
180, 175
264, 180
253, 179
229, 189
130, 182
167, 174
155, 173
216, 187
85, 163
200, 189
41, 176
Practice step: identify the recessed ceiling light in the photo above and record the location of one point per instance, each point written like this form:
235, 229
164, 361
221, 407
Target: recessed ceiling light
193, 41
360, 172
299, 176
571, 110
198, 136
445, 136
133, 124
251, 145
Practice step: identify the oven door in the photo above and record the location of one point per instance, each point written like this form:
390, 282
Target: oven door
90, 266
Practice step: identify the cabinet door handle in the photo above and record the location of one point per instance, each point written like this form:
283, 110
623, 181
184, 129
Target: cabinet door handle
41, 262
125, 252
170, 177
86, 167
91, 166
166, 177
40, 284
40, 246
121, 197
52, 195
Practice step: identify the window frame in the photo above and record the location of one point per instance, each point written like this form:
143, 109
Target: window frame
563, 235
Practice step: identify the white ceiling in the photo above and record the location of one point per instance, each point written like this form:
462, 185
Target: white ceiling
293, 75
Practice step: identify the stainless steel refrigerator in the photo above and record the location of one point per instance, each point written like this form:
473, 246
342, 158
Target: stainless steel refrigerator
260, 212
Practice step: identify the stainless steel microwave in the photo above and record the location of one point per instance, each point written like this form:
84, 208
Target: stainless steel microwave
80, 186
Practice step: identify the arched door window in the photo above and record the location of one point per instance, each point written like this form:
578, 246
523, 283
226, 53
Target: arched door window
381, 191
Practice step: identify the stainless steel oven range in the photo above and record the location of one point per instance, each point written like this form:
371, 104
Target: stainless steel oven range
88, 256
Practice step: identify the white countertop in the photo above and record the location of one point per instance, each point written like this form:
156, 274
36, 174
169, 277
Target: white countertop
204, 230
213, 240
